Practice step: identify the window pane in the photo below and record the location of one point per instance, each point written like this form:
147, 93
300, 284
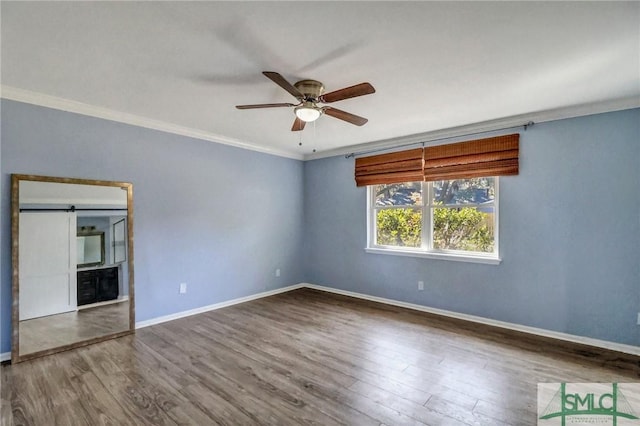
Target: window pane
398, 194
467, 228
399, 227
464, 191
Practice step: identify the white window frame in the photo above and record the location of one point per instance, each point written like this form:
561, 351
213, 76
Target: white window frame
427, 250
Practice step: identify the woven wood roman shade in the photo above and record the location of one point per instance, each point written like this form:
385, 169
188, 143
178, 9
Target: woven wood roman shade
395, 167
483, 157
498, 156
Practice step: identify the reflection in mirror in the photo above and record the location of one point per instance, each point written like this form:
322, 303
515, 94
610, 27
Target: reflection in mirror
72, 263
90, 248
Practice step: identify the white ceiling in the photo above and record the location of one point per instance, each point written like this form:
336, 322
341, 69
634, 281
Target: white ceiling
435, 65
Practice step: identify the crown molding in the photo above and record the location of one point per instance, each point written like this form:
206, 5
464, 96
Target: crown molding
39, 99
54, 102
484, 127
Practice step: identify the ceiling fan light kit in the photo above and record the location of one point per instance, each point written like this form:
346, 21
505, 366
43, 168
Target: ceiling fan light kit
309, 94
308, 112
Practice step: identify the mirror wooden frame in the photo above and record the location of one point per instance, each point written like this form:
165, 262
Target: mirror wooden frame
15, 226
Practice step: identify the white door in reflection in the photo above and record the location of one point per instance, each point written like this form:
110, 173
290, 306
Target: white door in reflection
47, 254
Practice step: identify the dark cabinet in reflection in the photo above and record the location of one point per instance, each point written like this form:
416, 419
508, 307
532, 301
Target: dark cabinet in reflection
97, 285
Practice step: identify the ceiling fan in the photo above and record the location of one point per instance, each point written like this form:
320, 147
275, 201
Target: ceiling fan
310, 93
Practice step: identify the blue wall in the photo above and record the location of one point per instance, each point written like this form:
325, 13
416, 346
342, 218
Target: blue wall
223, 219
569, 236
219, 218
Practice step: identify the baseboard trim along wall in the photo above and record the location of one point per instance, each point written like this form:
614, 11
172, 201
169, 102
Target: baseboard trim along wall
618, 347
6, 356
171, 317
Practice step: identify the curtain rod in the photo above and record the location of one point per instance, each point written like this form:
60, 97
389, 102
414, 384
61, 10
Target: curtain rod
354, 154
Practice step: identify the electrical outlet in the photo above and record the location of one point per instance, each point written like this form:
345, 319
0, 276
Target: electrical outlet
278, 272
183, 288
420, 285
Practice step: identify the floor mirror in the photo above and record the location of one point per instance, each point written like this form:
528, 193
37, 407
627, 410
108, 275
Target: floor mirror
72, 263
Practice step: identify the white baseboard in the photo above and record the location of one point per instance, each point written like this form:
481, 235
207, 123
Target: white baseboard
171, 317
108, 302
6, 356
619, 347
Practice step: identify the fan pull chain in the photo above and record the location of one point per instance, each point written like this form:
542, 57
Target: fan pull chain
315, 138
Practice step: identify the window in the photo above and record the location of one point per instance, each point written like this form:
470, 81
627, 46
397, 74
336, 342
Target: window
453, 219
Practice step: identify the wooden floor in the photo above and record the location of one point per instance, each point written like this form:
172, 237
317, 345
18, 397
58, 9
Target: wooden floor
303, 357
48, 332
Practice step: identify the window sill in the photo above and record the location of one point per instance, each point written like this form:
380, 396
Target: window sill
435, 255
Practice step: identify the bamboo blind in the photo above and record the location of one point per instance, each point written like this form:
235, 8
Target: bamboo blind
395, 167
497, 156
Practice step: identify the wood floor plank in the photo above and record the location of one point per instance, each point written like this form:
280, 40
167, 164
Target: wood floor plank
96, 400
225, 390
131, 396
412, 409
51, 379
26, 404
7, 390
462, 414
217, 407
254, 380
396, 388
163, 389
303, 358
279, 370
339, 356
133, 354
266, 399
295, 358
507, 413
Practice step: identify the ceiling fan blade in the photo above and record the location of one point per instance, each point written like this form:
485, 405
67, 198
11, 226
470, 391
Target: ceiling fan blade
345, 116
264, 106
348, 92
298, 125
280, 81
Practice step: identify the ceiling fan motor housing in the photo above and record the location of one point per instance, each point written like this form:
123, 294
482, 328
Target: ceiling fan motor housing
311, 89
